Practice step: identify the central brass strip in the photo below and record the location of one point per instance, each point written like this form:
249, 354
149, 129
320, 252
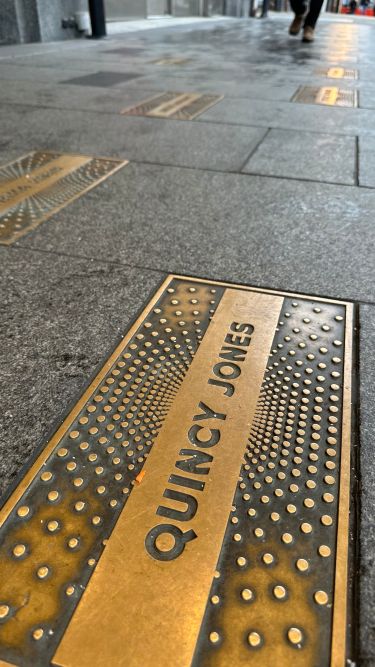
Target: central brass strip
128, 579
327, 95
171, 107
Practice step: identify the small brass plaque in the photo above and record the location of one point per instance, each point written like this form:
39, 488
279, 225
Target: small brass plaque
326, 95
338, 73
199, 486
39, 184
179, 106
170, 61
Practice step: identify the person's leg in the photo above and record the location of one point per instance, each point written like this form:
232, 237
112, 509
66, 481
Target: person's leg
299, 8
313, 13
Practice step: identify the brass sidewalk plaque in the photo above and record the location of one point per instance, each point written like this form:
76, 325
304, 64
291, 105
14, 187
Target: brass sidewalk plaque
170, 61
179, 106
326, 95
192, 509
39, 184
338, 73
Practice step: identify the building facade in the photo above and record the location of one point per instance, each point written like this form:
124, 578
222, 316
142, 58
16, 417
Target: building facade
23, 21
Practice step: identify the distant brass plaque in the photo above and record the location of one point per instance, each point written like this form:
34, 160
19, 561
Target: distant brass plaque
180, 106
326, 95
338, 73
39, 184
170, 61
193, 507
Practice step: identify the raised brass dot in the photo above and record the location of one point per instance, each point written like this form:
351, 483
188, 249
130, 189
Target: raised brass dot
79, 506
291, 508
52, 526
295, 636
241, 561
42, 572
328, 497
19, 550
96, 520
326, 520
258, 532
254, 639
268, 558
46, 476
306, 528
91, 562
74, 434
23, 511
101, 489
71, 466
73, 543
4, 610
247, 594
38, 634
279, 592
214, 637
69, 590
302, 564
321, 597
62, 452
324, 551
78, 482
275, 516
287, 538
237, 537
215, 599
329, 479
53, 496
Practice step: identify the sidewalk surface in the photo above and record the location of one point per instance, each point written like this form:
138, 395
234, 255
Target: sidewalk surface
257, 190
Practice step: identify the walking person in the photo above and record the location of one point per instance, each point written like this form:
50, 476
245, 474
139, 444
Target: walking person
308, 20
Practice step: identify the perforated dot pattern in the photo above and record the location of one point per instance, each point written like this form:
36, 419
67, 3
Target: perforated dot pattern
53, 538
274, 584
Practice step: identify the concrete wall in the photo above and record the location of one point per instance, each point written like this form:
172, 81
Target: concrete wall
51, 12
37, 20
125, 9
9, 30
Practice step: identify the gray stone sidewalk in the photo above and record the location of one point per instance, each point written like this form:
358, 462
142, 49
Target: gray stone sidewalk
258, 189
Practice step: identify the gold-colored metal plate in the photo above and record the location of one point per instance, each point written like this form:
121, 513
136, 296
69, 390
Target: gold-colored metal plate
39, 184
179, 106
338, 73
170, 61
200, 486
326, 95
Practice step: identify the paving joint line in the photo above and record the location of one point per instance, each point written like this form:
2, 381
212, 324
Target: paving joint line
356, 162
245, 174
199, 119
97, 260
178, 271
254, 149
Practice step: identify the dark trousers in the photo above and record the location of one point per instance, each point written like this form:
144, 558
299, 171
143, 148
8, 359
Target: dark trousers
299, 8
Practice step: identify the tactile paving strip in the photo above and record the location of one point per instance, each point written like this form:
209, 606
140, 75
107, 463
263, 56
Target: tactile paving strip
326, 95
276, 589
39, 184
179, 106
